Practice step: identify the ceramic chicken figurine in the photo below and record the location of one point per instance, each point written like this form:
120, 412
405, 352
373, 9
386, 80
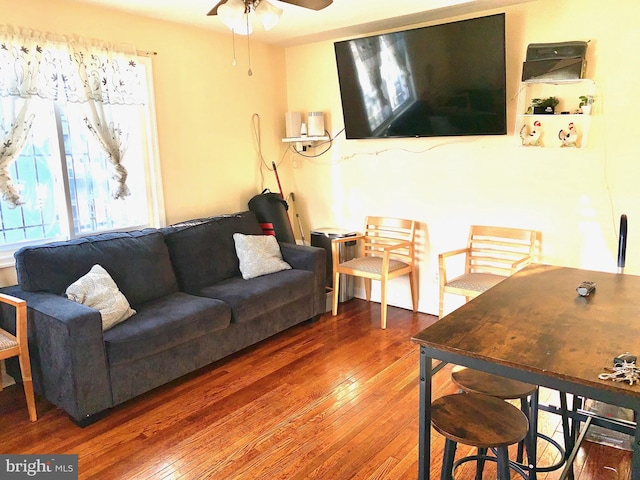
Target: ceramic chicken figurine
569, 138
532, 137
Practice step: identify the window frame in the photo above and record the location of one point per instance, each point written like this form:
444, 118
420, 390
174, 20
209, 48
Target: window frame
152, 171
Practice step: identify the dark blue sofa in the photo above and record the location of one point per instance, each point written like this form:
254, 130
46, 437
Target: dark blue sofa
193, 308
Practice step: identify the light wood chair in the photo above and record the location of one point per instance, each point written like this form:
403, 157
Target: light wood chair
388, 251
492, 254
17, 346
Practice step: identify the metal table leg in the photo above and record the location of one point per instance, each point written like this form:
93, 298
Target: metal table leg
635, 462
424, 441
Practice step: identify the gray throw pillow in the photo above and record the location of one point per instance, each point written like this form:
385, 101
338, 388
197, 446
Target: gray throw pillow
258, 255
97, 290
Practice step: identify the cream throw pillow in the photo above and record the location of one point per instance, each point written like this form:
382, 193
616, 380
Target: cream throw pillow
97, 290
258, 255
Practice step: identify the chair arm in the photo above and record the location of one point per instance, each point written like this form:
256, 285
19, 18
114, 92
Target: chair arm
335, 249
347, 239
394, 246
387, 251
451, 253
66, 346
20, 306
518, 264
442, 264
11, 300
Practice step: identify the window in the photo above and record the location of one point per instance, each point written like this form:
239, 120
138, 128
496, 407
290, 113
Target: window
63, 173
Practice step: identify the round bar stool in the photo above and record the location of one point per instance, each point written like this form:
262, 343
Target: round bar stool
478, 421
474, 381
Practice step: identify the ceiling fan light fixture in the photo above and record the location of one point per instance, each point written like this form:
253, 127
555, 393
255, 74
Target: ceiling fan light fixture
268, 14
232, 15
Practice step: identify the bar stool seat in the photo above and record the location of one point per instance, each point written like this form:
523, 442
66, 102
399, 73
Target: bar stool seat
478, 421
475, 381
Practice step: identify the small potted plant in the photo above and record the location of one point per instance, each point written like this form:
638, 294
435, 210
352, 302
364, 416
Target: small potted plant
585, 104
543, 105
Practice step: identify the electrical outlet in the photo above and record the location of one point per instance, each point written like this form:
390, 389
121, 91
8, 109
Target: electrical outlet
436, 277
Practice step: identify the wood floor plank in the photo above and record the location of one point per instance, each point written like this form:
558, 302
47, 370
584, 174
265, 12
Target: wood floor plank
333, 399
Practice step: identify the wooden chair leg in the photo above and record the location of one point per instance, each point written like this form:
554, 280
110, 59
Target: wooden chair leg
441, 308
31, 402
383, 304
336, 294
27, 383
413, 282
367, 288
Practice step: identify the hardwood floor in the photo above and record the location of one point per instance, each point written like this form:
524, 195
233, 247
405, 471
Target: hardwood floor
335, 399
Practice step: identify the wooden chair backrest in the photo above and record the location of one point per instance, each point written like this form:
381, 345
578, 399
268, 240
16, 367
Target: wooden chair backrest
496, 249
381, 232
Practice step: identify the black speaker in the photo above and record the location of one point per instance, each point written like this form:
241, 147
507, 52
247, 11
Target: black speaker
556, 51
554, 69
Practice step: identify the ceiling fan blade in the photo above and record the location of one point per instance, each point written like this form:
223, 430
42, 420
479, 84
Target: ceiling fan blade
214, 10
311, 4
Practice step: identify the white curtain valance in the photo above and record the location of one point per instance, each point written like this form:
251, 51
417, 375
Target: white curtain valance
91, 73
71, 69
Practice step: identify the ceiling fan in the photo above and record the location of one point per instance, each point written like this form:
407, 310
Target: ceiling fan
310, 4
236, 14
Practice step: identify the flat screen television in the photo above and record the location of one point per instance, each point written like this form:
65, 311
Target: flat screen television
442, 80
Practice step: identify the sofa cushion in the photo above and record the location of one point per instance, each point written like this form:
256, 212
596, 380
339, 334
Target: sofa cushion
203, 251
138, 262
97, 290
164, 323
251, 298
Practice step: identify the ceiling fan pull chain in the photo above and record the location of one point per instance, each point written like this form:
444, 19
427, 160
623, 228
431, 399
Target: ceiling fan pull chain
249, 72
233, 40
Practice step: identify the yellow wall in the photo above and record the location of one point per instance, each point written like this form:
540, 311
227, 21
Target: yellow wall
575, 197
204, 106
210, 164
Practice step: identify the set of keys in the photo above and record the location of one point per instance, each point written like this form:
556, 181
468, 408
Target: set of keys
624, 370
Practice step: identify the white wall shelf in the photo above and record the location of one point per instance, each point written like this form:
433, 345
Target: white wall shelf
566, 112
306, 141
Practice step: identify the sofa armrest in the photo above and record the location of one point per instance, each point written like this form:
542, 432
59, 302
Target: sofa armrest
68, 359
303, 257
314, 259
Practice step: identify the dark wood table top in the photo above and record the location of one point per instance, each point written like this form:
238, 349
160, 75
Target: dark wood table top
535, 322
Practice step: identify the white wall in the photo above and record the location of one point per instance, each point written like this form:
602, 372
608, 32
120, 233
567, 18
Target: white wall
574, 197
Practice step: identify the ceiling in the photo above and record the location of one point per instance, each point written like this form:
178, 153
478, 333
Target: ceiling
298, 25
